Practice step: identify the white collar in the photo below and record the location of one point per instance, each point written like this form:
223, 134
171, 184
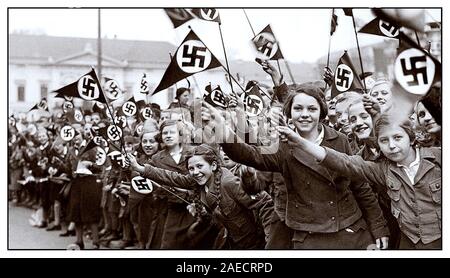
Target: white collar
414, 163
319, 138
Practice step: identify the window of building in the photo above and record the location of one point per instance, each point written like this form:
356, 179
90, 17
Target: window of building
44, 91
170, 95
21, 93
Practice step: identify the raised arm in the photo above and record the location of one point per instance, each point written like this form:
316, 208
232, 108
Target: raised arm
161, 175
352, 166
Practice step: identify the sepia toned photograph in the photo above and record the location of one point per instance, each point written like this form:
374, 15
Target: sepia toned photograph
224, 128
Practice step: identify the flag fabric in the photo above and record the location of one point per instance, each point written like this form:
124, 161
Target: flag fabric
207, 14
144, 88
191, 57
215, 97
74, 116
86, 87
129, 108
41, 105
415, 69
410, 18
348, 11
345, 77
178, 16
380, 27
334, 23
266, 45
252, 99
112, 89
88, 147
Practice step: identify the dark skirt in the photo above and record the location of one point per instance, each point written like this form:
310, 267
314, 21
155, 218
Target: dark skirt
84, 201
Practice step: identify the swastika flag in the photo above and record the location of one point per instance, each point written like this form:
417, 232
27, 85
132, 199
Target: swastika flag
178, 16
41, 105
380, 27
215, 97
414, 68
252, 99
191, 57
345, 77
112, 89
267, 45
144, 88
86, 87
207, 14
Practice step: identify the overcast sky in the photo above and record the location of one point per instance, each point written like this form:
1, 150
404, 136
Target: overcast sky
303, 33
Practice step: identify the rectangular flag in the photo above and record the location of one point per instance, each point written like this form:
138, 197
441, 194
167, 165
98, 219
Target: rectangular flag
178, 16
191, 57
345, 77
207, 14
266, 45
86, 87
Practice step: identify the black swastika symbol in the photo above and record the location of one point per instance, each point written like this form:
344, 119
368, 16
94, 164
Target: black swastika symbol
88, 89
147, 113
142, 184
144, 85
263, 45
113, 89
211, 13
414, 71
114, 132
99, 156
68, 133
218, 97
129, 108
342, 77
390, 28
193, 56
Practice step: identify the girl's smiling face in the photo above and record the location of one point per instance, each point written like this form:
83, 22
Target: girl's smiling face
201, 170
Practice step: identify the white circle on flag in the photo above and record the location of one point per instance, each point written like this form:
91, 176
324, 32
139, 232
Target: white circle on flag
215, 96
118, 157
77, 115
343, 78
114, 132
67, 133
253, 104
388, 32
142, 185
193, 56
140, 129
100, 141
414, 71
67, 105
68, 98
100, 156
12, 121
112, 90
31, 128
87, 88
129, 108
121, 121
209, 14
147, 113
266, 45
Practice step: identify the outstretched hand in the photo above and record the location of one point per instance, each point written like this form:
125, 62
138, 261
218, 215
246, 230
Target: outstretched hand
272, 71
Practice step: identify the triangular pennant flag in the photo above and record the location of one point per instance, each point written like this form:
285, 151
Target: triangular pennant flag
86, 87
178, 16
88, 147
144, 88
380, 27
100, 108
207, 14
345, 77
334, 23
215, 97
409, 18
348, 11
41, 105
252, 99
191, 57
35, 107
415, 69
267, 45
112, 89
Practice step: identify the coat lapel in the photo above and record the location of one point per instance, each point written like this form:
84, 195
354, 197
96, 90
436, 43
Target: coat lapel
425, 164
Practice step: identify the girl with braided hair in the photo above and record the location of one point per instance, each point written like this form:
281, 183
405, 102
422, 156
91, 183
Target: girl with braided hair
220, 195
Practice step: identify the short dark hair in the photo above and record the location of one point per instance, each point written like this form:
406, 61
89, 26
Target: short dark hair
310, 90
